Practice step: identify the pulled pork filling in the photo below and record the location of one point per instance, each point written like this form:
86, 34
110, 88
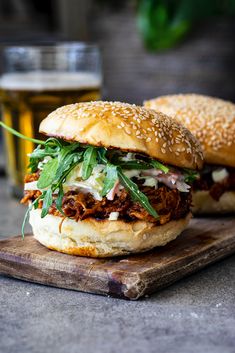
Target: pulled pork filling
215, 179
170, 204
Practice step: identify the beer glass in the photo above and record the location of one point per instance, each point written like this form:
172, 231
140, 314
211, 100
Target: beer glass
36, 80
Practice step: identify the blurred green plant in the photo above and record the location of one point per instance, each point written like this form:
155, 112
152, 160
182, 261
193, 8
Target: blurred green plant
164, 23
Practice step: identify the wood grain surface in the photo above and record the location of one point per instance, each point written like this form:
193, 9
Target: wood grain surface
205, 241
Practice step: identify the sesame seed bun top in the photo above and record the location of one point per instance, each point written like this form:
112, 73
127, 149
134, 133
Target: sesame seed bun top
211, 120
126, 127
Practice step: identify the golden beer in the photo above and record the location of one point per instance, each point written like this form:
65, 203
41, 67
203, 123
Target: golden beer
27, 98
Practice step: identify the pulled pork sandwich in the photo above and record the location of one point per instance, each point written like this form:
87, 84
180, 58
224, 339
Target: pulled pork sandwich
111, 179
212, 121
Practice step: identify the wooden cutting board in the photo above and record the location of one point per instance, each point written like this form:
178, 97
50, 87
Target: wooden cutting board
205, 241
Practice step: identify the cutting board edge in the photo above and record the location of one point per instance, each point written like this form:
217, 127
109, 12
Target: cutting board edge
167, 280
137, 277
127, 294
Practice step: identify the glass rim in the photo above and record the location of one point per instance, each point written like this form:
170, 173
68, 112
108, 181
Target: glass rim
56, 45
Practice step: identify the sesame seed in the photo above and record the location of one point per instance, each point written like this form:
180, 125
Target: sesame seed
148, 125
211, 120
127, 131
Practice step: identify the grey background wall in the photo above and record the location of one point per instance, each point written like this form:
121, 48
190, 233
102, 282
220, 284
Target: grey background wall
203, 63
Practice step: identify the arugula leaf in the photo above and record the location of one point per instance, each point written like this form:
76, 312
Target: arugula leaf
69, 161
102, 155
66, 158
47, 196
54, 174
65, 150
26, 217
66, 173
89, 162
39, 154
18, 134
135, 164
47, 202
110, 178
33, 164
140, 164
34, 204
54, 142
190, 175
157, 165
136, 194
59, 199
48, 174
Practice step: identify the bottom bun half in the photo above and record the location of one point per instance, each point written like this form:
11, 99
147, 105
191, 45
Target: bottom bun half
203, 203
105, 238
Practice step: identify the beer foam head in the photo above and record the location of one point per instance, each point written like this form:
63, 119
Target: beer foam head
48, 81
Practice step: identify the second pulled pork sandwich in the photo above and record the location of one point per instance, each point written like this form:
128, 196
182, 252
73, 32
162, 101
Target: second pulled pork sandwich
212, 121
112, 179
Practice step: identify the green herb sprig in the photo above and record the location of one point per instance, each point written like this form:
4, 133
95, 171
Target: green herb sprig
111, 176
135, 193
89, 162
190, 175
18, 134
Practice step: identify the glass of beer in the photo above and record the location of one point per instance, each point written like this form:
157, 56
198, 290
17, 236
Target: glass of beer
36, 80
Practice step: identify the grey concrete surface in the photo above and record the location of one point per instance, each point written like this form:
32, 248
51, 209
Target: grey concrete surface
196, 314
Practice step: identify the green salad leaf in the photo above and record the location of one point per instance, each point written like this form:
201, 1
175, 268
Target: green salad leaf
190, 175
59, 199
18, 134
54, 142
48, 150
34, 204
102, 159
136, 194
66, 158
47, 202
89, 162
157, 165
135, 164
48, 174
111, 176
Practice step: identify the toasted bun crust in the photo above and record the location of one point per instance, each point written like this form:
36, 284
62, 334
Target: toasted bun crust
102, 238
211, 120
203, 203
126, 127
